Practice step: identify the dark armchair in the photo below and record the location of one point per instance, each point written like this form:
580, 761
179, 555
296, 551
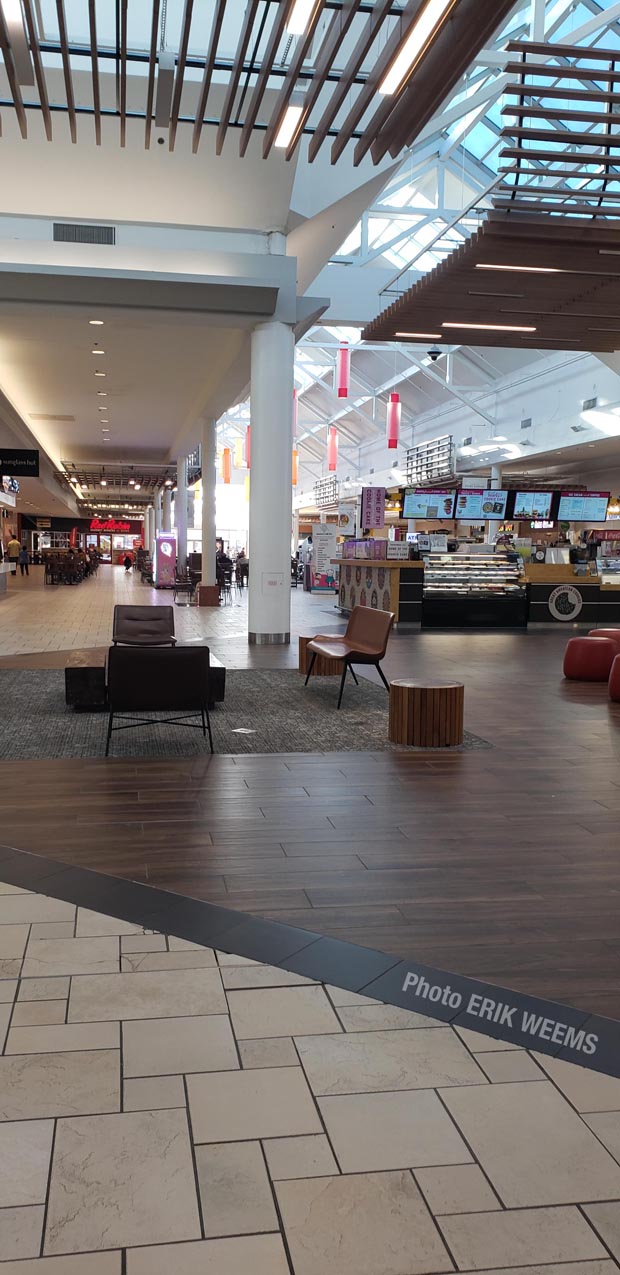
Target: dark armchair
143, 626
158, 680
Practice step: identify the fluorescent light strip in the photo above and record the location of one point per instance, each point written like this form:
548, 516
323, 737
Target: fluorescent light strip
299, 16
289, 125
523, 269
421, 336
414, 45
490, 327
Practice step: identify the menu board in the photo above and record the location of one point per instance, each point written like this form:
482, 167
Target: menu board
583, 506
427, 502
476, 504
533, 504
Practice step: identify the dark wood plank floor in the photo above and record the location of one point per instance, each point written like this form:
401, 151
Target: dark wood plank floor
503, 864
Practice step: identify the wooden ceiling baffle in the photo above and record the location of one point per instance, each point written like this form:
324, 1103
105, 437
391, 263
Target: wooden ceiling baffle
543, 269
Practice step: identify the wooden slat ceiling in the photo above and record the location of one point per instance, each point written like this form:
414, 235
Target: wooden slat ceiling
572, 307
333, 70
561, 132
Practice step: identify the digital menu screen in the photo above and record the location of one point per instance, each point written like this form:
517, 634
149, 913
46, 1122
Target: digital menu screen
476, 504
533, 504
583, 506
426, 502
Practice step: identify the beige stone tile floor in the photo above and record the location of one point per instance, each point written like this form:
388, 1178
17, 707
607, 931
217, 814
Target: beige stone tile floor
40, 618
218, 1117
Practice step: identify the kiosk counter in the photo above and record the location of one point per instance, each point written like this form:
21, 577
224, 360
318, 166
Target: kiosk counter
385, 584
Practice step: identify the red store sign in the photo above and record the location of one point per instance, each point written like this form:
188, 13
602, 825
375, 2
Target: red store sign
109, 524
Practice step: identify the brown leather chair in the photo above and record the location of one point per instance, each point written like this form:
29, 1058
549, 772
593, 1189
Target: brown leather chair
364, 642
143, 626
158, 680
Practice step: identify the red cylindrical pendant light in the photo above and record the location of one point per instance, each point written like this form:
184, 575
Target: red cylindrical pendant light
332, 448
342, 369
248, 437
226, 465
295, 467
393, 420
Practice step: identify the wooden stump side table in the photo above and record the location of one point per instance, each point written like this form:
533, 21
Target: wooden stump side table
426, 716
322, 666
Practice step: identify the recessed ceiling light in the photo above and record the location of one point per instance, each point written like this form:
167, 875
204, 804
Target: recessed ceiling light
289, 125
137, 487
104, 420
421, 336
102, 393
299, 17
131, 482
168, 482
96, 323
480, 265
104, 482
490, 327
421, 33
100, 373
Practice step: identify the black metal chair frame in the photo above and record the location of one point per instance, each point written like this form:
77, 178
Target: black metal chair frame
348, 665
134, 722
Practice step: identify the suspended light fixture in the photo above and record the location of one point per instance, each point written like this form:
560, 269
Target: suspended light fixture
226, 465
332, 449
343, 369
295, 467
393, 420
248, 441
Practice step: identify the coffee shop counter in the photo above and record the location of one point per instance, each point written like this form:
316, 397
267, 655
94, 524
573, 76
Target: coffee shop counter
557, 593
384, 585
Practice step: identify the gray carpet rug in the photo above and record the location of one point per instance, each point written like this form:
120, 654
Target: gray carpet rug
264, 712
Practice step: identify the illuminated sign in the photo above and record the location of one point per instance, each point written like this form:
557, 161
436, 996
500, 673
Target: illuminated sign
109, 524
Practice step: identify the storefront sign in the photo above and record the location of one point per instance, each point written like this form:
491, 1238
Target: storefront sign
565, 602
373, 507
109, 524
19, 462
323, 550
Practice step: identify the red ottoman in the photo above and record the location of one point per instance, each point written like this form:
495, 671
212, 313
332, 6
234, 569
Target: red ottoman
614, 681
589, 659
612, 634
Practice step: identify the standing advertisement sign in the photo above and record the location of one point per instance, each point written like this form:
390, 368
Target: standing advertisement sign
165, 561
373, 508
323, 550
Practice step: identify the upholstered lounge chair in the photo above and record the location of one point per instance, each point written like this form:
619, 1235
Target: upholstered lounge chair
364, 642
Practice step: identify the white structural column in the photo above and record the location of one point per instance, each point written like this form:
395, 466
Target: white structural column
180, 509
157, 527
208, 454
271, 487
167, 519
147, 531
496, 477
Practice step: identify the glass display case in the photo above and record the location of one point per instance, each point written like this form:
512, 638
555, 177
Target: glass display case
475, 590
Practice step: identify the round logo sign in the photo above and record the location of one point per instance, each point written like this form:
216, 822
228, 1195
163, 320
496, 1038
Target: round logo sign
565, 602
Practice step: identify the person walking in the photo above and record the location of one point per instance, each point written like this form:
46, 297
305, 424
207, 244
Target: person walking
23, 560
13, 551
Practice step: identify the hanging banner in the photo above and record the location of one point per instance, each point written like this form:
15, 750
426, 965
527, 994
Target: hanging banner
323, 550
346, 520
373, 507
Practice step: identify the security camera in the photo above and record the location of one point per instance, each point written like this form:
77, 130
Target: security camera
434, 354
